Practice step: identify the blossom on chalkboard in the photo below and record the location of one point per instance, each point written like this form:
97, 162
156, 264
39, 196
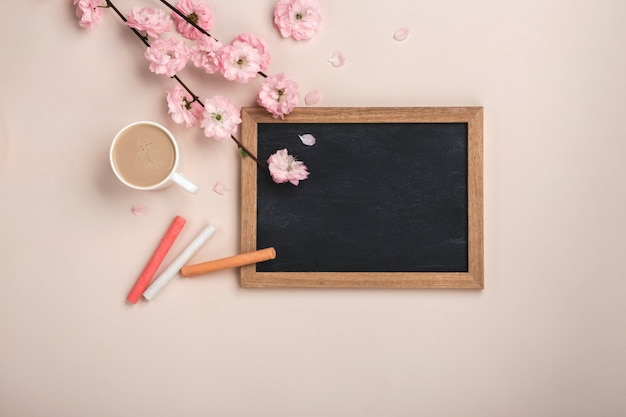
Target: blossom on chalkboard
88, 12
149, 20
182, 107
167, 56
286, 168
221, 118
279, 95
199, 12
297, 19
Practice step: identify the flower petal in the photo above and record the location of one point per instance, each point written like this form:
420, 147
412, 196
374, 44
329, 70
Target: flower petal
312, 97
401, 34
141, 210
220, 188
338, 59
307, 139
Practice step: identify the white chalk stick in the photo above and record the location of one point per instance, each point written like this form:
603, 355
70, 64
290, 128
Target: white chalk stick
171, 271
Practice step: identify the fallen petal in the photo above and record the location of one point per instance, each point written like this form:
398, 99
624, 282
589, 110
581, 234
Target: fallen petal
401, 34
312, 97
220, 188
338, 59
141, 210
307, 139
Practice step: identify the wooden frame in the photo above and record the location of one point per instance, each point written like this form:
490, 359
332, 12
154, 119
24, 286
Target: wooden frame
472, 278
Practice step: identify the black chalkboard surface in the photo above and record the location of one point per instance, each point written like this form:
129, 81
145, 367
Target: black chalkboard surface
394, 198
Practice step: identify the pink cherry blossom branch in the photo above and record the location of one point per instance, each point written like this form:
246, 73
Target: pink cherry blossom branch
144, 39
195, 25
239, 144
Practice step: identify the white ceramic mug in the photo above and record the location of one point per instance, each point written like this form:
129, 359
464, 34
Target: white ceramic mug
145, 156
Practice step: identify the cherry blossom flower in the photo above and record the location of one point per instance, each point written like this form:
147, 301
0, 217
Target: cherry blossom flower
89, 12
167, 56
221, 118
198, 12
312, 97
152, 21
182, 106
279, 95
205, 54
286, 168
258, 44
298, 19
240, 62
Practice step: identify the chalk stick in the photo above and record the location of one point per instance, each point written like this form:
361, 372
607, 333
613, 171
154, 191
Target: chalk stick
171, 271
157, 257
230, 262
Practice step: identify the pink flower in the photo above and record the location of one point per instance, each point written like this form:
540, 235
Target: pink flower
299, 19
279, 95
205, 54
152, 21
221, 118
167, 56
284, 167
240, 62
182, 106
258, 44
198, 12
89, 12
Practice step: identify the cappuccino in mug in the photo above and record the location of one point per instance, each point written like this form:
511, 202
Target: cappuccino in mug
145, 156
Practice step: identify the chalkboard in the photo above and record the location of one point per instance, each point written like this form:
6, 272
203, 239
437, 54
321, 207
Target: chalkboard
394, 198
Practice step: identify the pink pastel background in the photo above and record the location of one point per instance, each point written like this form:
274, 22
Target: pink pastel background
545, 337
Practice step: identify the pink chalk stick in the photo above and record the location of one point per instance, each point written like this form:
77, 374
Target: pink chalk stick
157, 257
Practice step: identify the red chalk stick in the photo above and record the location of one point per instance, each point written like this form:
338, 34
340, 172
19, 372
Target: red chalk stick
157, 257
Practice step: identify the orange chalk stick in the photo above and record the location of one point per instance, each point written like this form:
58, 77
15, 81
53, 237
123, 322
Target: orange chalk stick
230, 262
157, 257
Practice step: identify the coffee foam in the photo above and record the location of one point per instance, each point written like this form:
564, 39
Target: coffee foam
144, 155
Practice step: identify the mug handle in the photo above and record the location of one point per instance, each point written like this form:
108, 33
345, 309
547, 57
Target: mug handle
185, 182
